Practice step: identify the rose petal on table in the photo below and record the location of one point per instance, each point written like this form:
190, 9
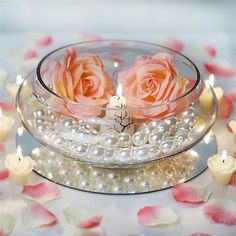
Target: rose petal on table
36, 216
40, 39
42, 192
199, 234
190, 193
83, 218
29, 54
233, 180
221, 211
210, 50
6, 106
7, 224
173, 43
2, 149
232, 95
156, 215
219, 68
225, 108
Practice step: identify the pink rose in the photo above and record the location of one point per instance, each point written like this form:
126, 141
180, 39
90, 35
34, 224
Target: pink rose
83, 80
149, 82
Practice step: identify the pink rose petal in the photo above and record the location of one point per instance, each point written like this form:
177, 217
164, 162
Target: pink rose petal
225, 108
6, 106
190, 193
7, 224
221, 211
2, 149
210, 50
83, 218
42, 192
40, 39
35, 216
199, 234
219, 68
3, 171
30, 54
232, 95
173, 43
156, 215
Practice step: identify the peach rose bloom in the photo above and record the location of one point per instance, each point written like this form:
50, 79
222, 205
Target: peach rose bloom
152, 81
83, 80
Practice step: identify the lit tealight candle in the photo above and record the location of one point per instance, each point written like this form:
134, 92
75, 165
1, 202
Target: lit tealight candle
13, 87
206, 97
119, 119
19, 167
232, 126
222, 167
6, 124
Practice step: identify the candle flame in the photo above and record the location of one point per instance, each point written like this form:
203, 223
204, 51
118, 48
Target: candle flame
116, 64
211, 80
19, 79
224, 156
20, 131
19, 152
119, 90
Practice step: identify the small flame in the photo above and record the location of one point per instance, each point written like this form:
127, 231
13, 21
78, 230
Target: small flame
224, 156
19, 79
19, 152
116, 64
211, 80
119, 90
0, 112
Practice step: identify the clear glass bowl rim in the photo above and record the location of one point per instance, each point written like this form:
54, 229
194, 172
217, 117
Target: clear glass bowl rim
68, 101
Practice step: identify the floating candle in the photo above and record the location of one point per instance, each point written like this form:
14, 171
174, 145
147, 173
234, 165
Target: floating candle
206, 97
6, 124
19, 167
232, 126
222, 167
118, 119
12, 88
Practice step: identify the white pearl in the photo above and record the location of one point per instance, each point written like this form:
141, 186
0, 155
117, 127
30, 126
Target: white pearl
96, 152
167, 146
181, 138
80, 149
189, 120
40, 127
110, 141
59, 141
68, 122
154, 151
124, 155
163, 128
40, 113
140, 153
155, 138
139, 138
124, 140
109, 154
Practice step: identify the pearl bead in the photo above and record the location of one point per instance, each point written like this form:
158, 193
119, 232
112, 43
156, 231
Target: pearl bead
110, 141
124, 140
80, 149
189, 120
124, 155
109, 154
163, 128
171, 121
154, 151
39, 121
59, 141
117, 189
68, 122
112, 176
154, 124
40, 127
167, 146
155, 138
181, 139
96, 152
140, 154
139, 138
128, 179
40, 113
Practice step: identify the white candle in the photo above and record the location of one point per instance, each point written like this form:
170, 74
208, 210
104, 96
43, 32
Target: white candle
12, 88
232, 126
6, 125
118, 119
19, 167
206, 97
222, 167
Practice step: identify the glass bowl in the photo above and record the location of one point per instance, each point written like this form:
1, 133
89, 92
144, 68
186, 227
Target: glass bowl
107, 136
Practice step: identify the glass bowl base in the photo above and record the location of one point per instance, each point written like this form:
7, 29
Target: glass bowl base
147, 177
